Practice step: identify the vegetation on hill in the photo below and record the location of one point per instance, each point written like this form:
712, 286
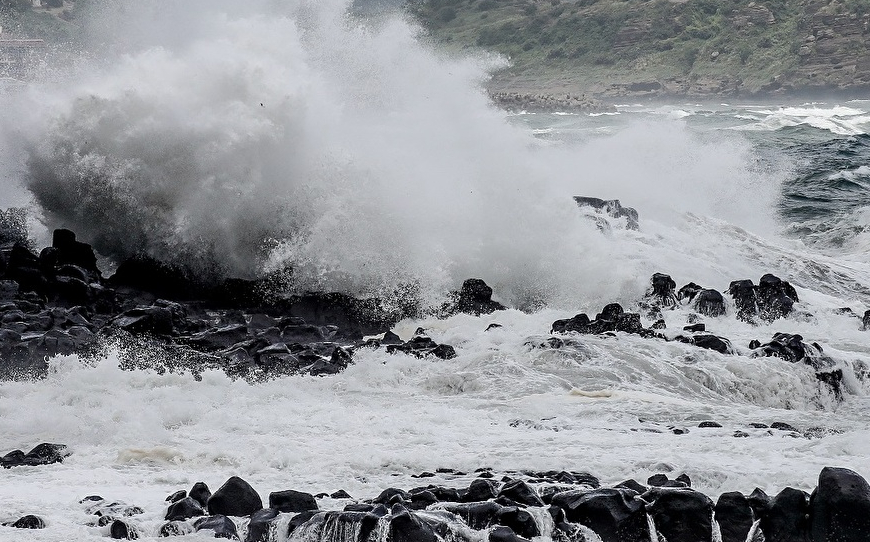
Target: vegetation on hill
650, 46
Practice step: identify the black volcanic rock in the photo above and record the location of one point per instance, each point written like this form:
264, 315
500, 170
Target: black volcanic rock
475, 297
734, 516
787, 517
27, 522
743, 294
840, 507
235, 498
775, 297
688, 292
405, 526
710, 303
681, 515
260, 525
222, 526
520, 492
612, 208
121, 530
42, 454
292, 501
616, 515
200, 493
183, 509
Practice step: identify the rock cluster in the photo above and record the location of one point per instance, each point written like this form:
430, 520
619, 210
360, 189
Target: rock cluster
58, 302
770, 300
511, 509
521, 101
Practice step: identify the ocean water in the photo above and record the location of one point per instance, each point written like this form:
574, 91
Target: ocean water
241, 139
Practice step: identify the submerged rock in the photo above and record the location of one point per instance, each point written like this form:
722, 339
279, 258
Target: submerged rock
612, 208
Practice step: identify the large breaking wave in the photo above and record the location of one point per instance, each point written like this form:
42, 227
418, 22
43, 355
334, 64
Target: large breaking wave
242, 139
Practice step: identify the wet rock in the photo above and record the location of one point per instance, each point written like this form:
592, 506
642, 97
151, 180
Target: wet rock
616, 515
27, 522
475, 297
681, 515
775, 297
406, 526
657, 480
222, 526
175, 528
42, 454
734, 516
422, 346
688, 292
480, 489
787, 517
519, 520
121, 530
612, 208
505, 534
183, 509
712, 342
292, 501
235, 498
865, 320
840, 507
200, 493
391, 495
710, 303
660, 295
520, 492
709, 424
694, 328
260, 525
340, 494
477, 515
743, 294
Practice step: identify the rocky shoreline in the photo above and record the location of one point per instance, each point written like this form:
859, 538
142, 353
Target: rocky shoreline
58, 303
549, 102
563, 506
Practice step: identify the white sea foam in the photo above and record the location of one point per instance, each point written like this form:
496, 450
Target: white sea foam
362, 158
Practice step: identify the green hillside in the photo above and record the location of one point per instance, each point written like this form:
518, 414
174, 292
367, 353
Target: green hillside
686, 47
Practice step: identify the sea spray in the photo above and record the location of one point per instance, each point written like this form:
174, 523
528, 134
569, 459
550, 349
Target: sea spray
241, 139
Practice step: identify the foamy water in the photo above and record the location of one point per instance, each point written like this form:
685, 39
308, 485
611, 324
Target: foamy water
261, 137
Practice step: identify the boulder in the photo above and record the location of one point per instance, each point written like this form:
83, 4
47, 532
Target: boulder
292, 501
222, 526
615, 514
475, 297
27, 522
519, 520
406, 526
734, 516
121, 530
787, 517
840, 507
775, 297
183, 509
710, 303
743, 294
260, 525
175, 528
520, 492
477, 515
235, 498
200, 493
681, 515
688, 292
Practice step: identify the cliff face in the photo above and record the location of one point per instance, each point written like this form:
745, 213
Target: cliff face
664, 47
